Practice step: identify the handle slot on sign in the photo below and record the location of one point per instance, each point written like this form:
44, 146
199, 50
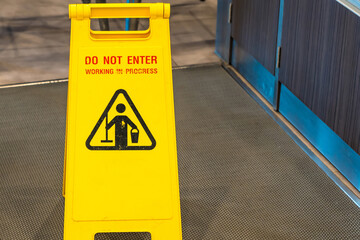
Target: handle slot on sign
116, 30
136, 12
119, 24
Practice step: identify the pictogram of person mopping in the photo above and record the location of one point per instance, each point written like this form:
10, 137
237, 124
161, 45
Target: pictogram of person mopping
126, 115
121, 123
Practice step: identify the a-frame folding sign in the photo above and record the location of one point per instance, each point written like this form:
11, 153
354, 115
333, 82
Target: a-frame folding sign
120, 160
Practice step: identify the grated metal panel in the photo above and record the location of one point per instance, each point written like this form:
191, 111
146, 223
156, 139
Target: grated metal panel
32, 124
241, 175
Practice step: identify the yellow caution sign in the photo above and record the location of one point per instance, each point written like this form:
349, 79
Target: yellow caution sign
121, 163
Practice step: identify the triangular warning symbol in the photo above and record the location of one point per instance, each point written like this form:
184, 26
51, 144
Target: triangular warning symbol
121, 127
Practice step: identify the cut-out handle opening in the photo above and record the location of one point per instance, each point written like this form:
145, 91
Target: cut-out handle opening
119, 24
116, 28
117, 15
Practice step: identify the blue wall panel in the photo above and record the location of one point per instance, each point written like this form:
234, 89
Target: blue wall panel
255, 29
320, 63
254, 72
341, 155
319, 69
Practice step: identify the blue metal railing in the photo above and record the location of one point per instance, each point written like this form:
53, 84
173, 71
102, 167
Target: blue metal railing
127, 21
352, 5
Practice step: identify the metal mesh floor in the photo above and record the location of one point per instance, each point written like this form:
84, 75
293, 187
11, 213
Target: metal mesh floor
241, 175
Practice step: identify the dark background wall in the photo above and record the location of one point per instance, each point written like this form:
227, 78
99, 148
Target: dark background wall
320, 63
254, 28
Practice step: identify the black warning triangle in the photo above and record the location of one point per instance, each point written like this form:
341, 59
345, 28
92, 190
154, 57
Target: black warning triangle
104, 116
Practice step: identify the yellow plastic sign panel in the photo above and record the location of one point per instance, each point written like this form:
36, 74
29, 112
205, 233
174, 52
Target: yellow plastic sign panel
121, 161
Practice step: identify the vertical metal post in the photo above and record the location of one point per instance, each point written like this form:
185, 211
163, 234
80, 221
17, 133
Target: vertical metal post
131, 24
231, 38
277, 87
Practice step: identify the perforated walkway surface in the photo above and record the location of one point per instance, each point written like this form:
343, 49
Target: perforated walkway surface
241, 175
